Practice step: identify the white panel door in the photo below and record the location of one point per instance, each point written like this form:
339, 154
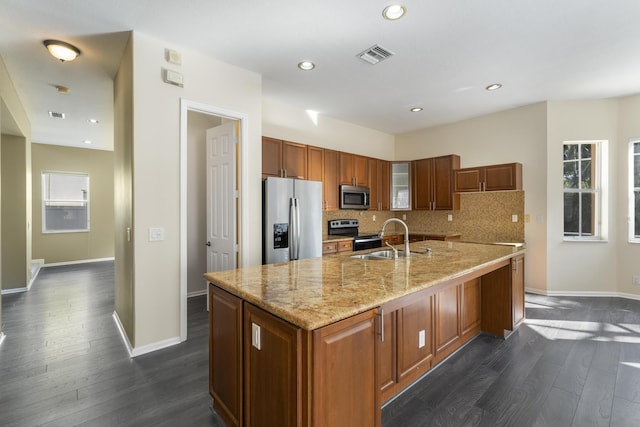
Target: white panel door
221, 197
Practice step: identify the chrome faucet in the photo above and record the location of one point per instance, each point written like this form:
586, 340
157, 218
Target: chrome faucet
395, 251
406, 233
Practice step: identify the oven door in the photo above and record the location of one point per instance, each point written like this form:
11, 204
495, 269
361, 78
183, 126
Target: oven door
367, 243
354, 197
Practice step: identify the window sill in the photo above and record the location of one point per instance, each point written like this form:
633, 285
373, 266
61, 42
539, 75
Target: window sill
584, 240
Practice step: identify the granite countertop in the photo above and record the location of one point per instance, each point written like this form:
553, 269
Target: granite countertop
334, 238
312, 293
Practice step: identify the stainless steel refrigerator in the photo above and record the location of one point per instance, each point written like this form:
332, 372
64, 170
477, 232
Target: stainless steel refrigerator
291, 219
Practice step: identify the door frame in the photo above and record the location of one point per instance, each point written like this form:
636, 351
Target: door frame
243, 177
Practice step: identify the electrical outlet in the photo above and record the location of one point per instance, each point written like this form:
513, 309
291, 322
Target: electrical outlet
404, 217
449, 217
514, 218
527, 218
374, 218
636, 280
255, 335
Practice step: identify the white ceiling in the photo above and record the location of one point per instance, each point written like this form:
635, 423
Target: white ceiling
446, 53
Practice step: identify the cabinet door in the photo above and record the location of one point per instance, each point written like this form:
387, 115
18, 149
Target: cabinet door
330, 184
361, 170
503, 177
384, 183
443, 196
401, 185
517, 289
467, 180
447, 321
386, 363
294, 160
415, 348
471, 306
225, 355
271, 157
346, 169
374, 184
344, 392
422, 182
315, 163
273, 366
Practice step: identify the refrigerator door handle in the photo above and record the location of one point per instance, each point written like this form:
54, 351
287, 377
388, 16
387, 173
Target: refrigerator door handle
294, 215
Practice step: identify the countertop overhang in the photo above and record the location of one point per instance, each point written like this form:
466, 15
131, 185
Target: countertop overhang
315, 292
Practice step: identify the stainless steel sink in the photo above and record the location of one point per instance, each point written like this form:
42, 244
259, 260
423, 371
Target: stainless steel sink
380, 255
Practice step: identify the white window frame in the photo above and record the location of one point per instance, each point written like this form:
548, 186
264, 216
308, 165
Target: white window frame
599, 190
44, 201
632, 190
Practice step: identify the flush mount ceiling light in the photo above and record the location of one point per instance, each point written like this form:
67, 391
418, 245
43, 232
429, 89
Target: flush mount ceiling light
86, 141
416, 109
61, 50
494, 86
394, 11
62, 89
306, 65
94, 121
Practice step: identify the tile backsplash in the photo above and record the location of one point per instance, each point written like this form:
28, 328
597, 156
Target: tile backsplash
485, 217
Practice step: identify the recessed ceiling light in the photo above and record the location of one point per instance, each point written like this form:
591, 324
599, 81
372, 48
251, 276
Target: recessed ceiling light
306, 65
93, 121
86, 141
494, 86
394, 11
416, 109
62, 50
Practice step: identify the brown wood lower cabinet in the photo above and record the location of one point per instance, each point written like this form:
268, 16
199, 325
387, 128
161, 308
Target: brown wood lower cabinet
264, 371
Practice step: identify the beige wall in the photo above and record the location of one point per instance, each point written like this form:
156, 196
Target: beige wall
156, 172
627, 254
13, 116
97, 243
292, 124
123, 192
517, 135
15, 268
197, 125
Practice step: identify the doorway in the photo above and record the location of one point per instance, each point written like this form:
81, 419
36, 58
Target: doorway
196, 118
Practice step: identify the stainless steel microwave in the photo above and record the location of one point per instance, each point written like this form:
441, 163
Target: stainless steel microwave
354, 197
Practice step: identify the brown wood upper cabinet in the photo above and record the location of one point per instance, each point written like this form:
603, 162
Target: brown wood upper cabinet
283, 159
330, 186
379, 183
354, 169
432, 183
489, 178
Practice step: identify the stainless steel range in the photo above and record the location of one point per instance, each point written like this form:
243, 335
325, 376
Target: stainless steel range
349, 227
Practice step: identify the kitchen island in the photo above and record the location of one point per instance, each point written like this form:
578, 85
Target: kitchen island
326, 341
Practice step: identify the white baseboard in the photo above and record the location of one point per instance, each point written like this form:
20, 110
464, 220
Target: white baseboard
82, 261
138, 351
582, 294
14, 290
197, 293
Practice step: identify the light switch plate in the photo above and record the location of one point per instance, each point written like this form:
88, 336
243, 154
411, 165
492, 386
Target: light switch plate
156, 234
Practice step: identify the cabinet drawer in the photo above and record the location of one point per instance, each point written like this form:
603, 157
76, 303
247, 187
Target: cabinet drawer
345, 246
329, 248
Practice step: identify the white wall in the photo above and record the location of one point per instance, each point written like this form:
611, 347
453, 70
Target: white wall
156, 171
516, 135
285, 122
580, 266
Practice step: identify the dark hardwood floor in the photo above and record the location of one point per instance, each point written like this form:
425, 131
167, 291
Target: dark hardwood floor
576, 361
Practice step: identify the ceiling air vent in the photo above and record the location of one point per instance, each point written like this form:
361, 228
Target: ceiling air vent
375, 54
55, 115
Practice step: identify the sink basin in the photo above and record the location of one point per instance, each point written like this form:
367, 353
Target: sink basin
380, 255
